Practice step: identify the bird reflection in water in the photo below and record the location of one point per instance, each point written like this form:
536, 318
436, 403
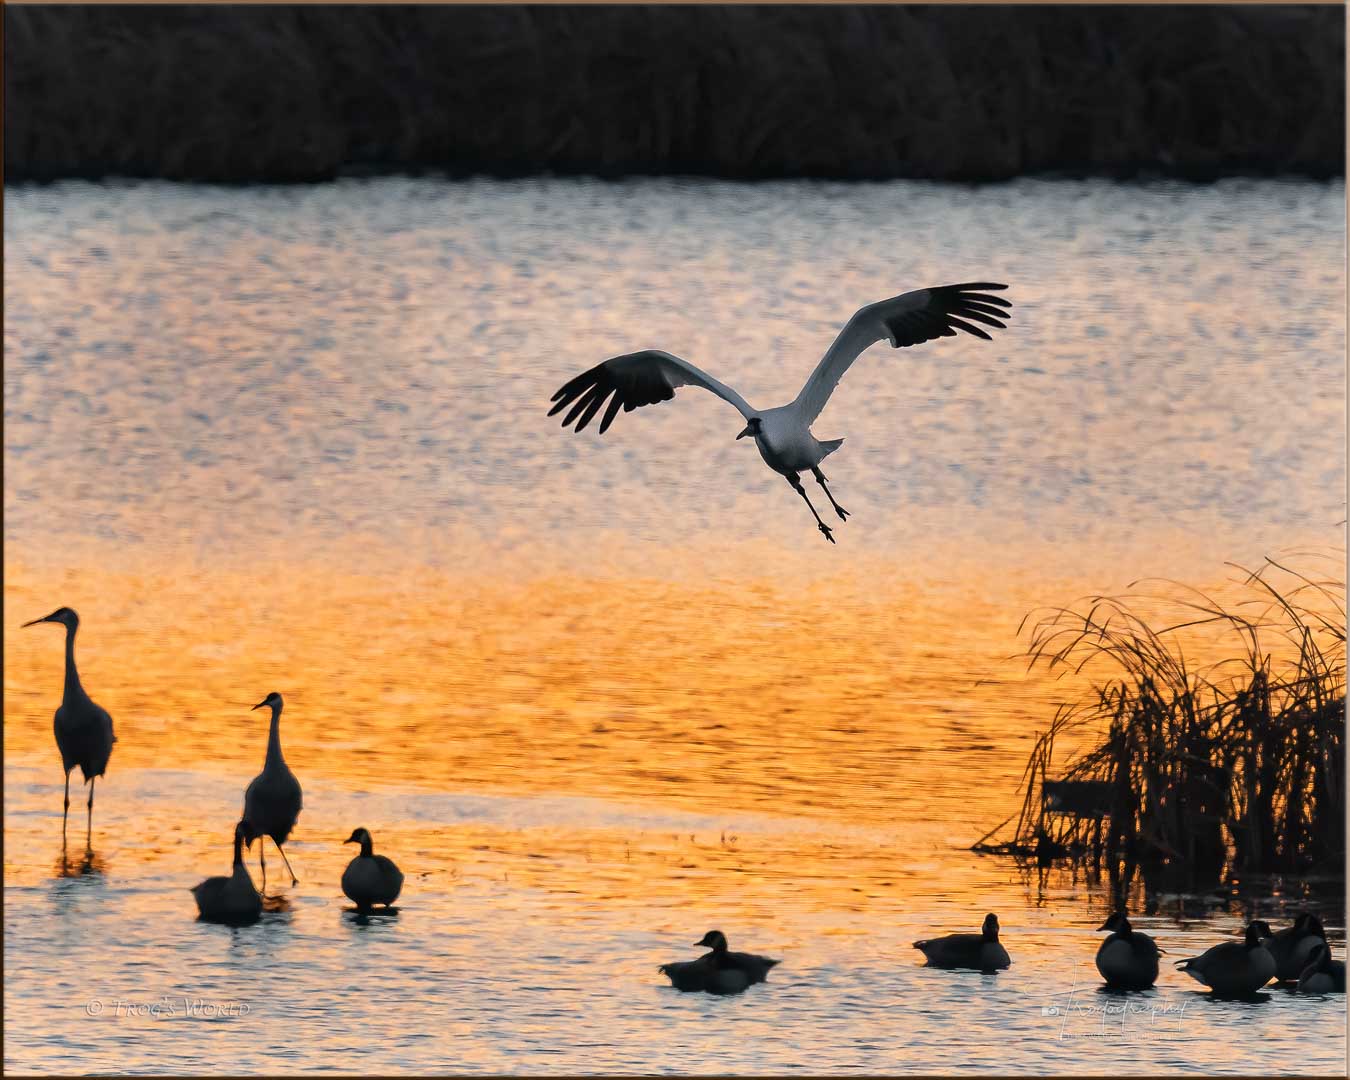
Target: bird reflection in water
89, 863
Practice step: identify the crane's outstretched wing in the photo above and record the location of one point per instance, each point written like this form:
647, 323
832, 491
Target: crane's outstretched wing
635, 379
908, 319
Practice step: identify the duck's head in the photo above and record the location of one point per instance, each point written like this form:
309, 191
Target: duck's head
1117, 922
990, 927
751, 428
63, 615
1308, 923
1257, 931
715, 940
358, 836
272, 700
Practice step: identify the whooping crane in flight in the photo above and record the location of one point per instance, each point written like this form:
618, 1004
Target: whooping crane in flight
783, 435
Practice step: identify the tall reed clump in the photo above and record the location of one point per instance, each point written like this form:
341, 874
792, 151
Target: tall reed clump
1235, 767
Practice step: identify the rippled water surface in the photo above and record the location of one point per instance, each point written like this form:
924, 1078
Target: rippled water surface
599, 694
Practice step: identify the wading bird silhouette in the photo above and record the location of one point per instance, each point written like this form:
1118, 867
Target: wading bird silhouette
272, 801
84, 730
783, 435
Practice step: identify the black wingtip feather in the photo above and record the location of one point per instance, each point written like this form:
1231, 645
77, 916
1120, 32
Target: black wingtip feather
968, 328
950, 308
588, 393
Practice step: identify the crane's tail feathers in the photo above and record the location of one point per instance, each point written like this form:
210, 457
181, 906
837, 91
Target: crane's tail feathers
830, 446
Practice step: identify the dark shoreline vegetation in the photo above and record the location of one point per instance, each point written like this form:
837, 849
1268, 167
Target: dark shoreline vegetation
298, 93
1194, 776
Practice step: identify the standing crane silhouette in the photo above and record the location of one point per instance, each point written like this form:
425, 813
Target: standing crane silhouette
84, 730
272, 800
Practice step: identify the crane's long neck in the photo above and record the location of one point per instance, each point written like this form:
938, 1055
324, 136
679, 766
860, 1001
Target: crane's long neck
274, 757
73, 687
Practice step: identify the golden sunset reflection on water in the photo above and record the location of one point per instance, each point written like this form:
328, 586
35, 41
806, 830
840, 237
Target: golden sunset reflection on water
599, 695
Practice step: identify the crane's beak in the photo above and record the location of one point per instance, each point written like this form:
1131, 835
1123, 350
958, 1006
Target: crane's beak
45, 618
259, 705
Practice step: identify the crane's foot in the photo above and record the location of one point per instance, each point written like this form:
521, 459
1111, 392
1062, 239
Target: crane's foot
828, 532
843, 514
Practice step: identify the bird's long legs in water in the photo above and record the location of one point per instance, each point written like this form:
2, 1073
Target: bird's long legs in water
294, 880
820, 479
796, 482
66, 812
262, 859
89, 825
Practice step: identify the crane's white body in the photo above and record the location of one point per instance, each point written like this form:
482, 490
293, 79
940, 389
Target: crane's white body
786, 443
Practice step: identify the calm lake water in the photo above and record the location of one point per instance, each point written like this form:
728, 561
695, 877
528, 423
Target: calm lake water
597, 695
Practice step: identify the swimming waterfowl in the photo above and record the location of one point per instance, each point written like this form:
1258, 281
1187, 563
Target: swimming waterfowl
981, 951
1323, 975
1293, 947
1234, 969
1128, 959
230, 899
719, 971
272, 800
369, 878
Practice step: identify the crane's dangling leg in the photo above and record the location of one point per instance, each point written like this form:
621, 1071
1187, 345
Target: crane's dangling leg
820, 479
262, 858
66, 812
294, 880
89, 827
796, 482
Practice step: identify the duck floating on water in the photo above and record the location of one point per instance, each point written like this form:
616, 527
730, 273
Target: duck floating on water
1294, 946
1234, 968
1323, 975
231, 899
1128, 959
981, 951
369, 878
720, 971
